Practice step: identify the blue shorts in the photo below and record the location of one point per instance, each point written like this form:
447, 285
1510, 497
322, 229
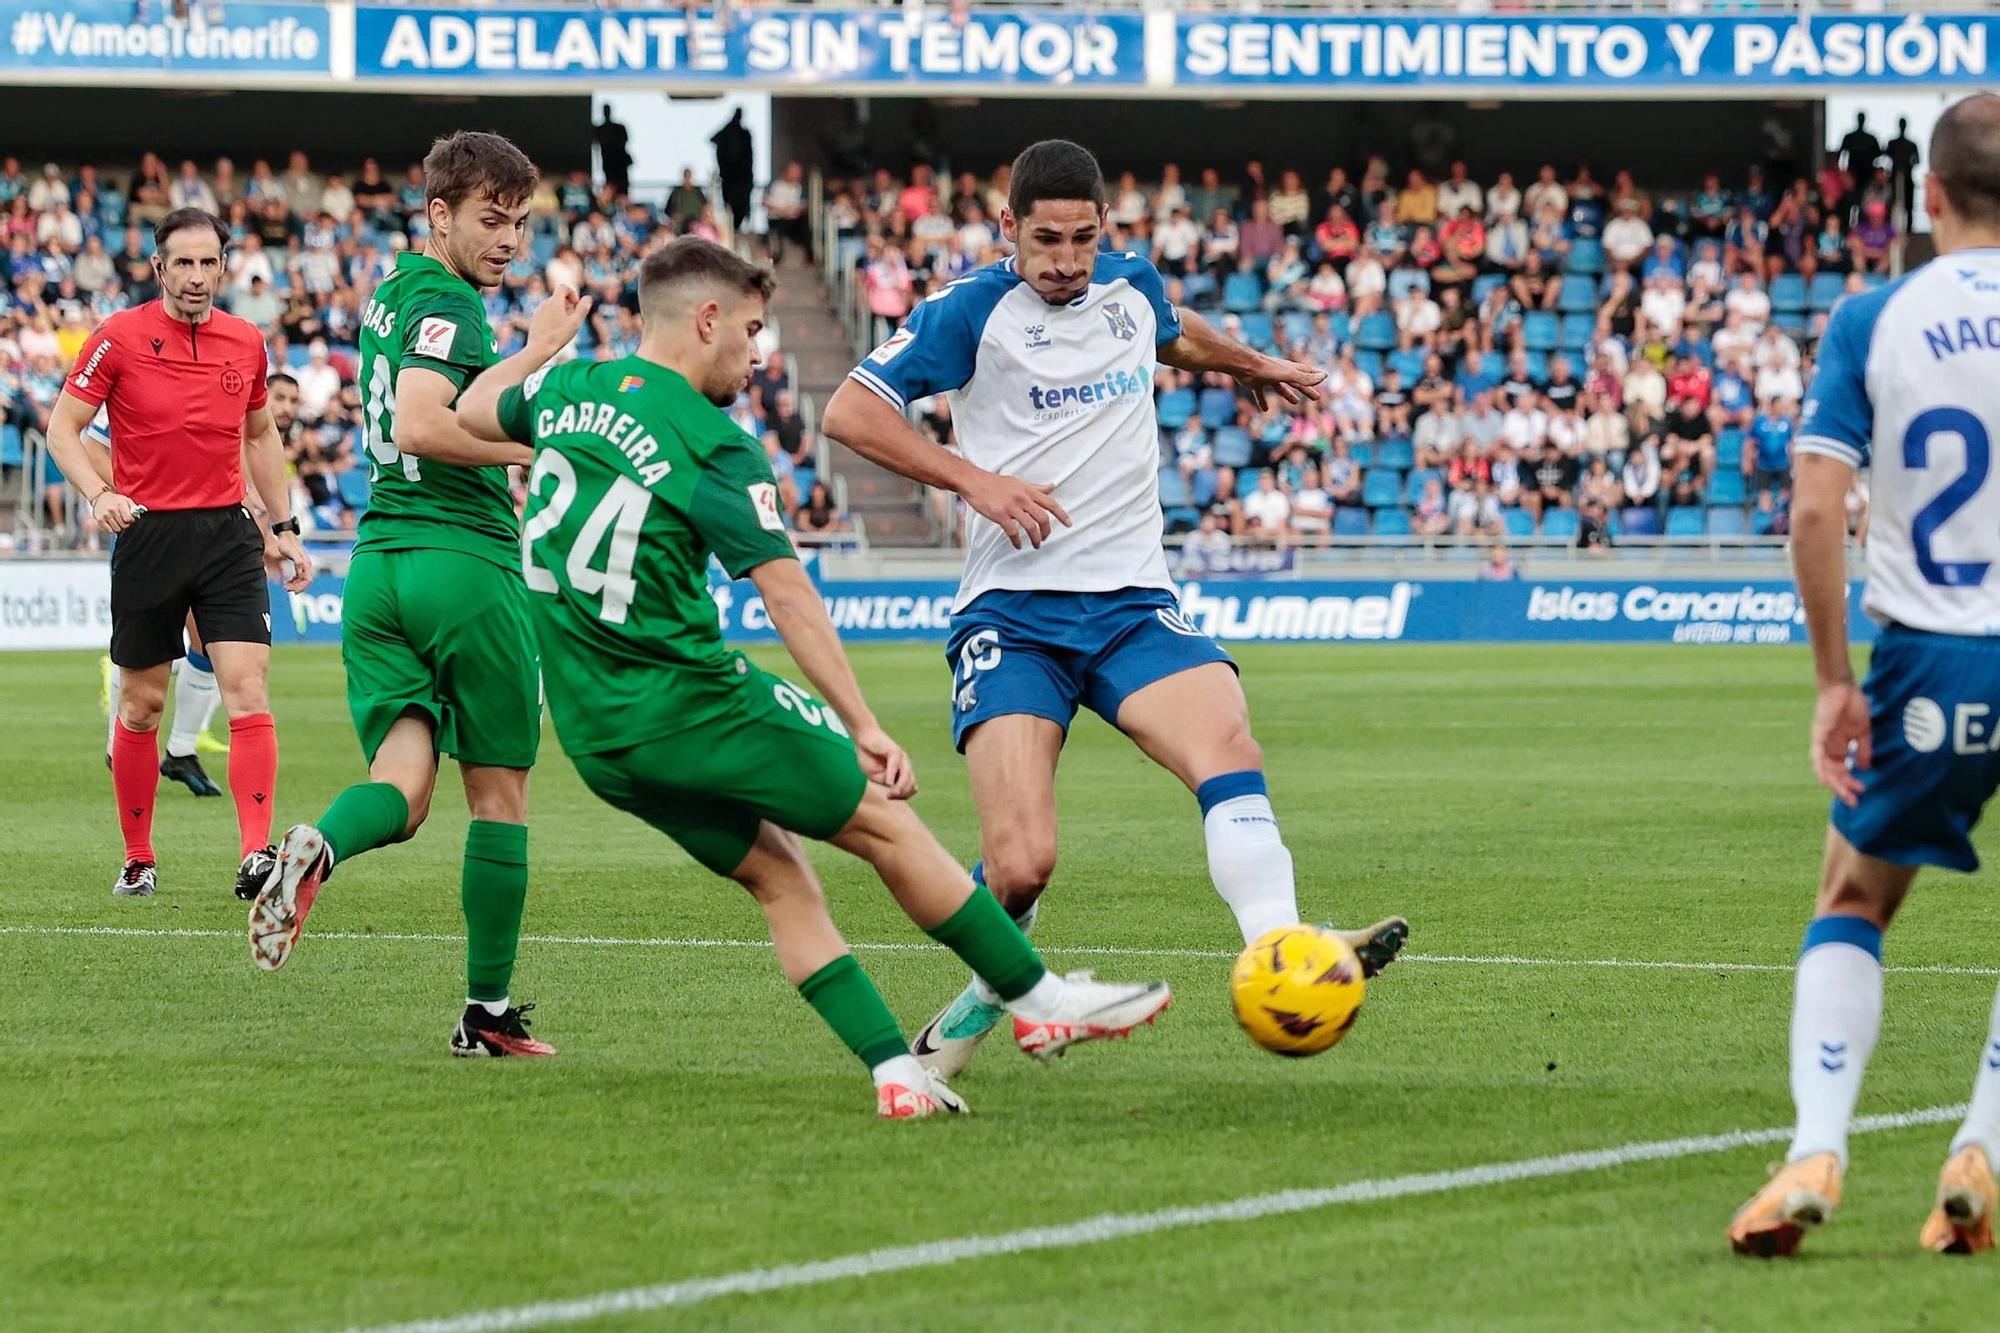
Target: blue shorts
1043, 653
1934, 701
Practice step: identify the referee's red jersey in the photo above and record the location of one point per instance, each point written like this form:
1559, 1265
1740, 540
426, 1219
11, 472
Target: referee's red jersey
178, 394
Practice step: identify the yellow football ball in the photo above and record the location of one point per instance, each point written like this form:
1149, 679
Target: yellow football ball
1297, 990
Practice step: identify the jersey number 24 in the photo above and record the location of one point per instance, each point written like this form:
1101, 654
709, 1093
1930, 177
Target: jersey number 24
621, 513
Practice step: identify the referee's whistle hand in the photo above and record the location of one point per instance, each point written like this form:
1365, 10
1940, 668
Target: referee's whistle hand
291, 551
115, 512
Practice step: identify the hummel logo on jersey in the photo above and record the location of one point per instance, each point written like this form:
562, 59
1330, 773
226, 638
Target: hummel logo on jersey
1037, 336
1117, 384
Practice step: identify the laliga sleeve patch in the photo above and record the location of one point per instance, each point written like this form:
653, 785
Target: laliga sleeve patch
434, 338
893, 348
533, 383
764, 499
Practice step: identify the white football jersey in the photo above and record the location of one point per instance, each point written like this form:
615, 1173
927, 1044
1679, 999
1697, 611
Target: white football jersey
1054, 394
1908, 385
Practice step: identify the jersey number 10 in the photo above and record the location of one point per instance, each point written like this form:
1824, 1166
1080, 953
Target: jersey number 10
1947, 502
621, 512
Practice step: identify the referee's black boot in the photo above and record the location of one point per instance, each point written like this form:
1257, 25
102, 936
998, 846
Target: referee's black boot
187, 770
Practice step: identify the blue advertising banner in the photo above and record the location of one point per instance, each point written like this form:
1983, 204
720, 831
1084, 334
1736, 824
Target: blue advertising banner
1585, 53
107, 35
875, 47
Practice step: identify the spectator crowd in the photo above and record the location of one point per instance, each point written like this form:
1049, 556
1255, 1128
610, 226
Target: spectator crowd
1548, 354
307, 250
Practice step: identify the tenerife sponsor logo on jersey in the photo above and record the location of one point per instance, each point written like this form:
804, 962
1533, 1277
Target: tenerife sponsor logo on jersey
615, 428
1056, 402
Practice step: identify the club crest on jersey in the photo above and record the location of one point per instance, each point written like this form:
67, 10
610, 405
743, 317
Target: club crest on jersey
1122, 326
434, 337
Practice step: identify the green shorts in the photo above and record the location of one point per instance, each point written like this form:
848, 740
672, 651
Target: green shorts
444, 635
781, 756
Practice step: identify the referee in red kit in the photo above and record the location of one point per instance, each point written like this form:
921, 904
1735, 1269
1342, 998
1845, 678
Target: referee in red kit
184, 383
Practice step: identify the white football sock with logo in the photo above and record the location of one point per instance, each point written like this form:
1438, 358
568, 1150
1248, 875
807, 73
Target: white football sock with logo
1982, 1118
1836, 1015
1247, 856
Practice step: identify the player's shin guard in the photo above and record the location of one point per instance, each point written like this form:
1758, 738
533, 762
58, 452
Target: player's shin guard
365, 816
986, 938
1982, 1118
493, 891
135, 778
1247, 858
195, 696
1836, 1014
253, 777
842, 995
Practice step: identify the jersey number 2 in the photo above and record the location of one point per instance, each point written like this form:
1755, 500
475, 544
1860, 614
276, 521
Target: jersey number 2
621, 512
1947, 502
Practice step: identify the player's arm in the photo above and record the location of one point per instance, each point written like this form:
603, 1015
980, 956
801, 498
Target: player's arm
84, 467
264, 454
434, 374
554, 323
1201, 347
800, 618
1836, 429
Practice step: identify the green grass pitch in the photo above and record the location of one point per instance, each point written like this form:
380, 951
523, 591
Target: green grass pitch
188, 1143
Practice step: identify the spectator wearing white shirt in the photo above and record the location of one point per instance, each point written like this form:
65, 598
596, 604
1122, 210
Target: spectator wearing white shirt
1312, 508
319, 382
1475, 509
1177, 242
1567, 431
336, 198
1626, 237
1663, 305
1525, 425
1641, 478
1458, 191
1775, 349
1267, 511
1172, 194
249, 262
1749, 299
1734, 339
1367, 281
1418, 319
1128, 202
1210, 543
49, 191
189, 190
1504, 199
60, 224
1545, 190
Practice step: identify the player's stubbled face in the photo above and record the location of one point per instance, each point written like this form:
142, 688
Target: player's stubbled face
736, 355
283, 400
1056, 245
484, 237
190, 269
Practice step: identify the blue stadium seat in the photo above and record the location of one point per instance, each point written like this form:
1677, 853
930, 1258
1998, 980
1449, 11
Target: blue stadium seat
1484, 285
1685, 521
1377, 332
1176, 408
1873, 280
1538, 366
545, 247
1577, 298
1274, 432
1586, 255
1410, 365
1793, 325
1382, 488
353, 487
1350, 522
1260, 331
1395, 452
1762, 521
1341, 326
1242, 293
1726, 487
1518, 523
12, 454
1204, 487
1362, 452
1729, 450
1246, 484
1198, 289
1174, 489
1232, 447
1183, 518
1297, 324
1540, 331
297, 357
1413, 488
1369, 363
1639, 522
1392, 522
1577, 331
1218, 407
1825, 290
1788, 293
1727, 521
1561, 523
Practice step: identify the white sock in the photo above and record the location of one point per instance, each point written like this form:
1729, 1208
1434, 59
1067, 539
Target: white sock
1043, 1000
493, 1007
1836, 1014
902, 1069
195, 694
1247, 857
111, 725
1982, 1120
984, 993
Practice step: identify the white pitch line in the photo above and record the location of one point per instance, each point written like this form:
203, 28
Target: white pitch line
1116, 1226
1083, 950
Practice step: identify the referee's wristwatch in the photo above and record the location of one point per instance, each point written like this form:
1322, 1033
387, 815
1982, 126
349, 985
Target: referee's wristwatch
290, 525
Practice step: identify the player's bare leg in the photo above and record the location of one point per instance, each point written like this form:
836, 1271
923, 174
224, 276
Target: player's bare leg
1051, 1012
815, 959
493, 893
1011, 761
135, 772
1836, 1014
1196, 725
389, 808
242, 670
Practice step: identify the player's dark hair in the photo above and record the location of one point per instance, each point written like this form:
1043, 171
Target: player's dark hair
691, 259
281, 378
463, 164
1965, 158
1054, 169
189, 219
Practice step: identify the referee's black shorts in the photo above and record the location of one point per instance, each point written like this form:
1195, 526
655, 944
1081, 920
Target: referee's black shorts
173, 561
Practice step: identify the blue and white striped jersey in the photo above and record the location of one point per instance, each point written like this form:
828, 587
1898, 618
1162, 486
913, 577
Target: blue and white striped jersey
1908, 386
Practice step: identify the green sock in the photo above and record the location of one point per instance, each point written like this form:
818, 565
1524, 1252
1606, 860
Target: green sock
493, 890
365, 816
991, 944
844, 996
